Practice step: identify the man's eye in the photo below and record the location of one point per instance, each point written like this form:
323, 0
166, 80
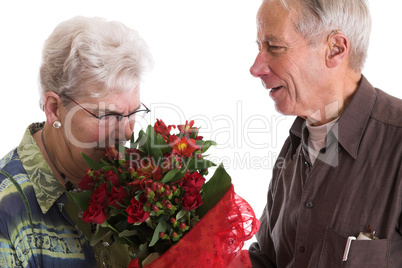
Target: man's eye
276, 48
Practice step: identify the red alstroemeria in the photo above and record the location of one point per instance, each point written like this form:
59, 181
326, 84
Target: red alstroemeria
170, 161
183, 147
162, 129
134, 157
188, 130
149, 169
113, 154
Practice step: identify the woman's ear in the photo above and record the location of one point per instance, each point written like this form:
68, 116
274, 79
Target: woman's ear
52, 107
338, 49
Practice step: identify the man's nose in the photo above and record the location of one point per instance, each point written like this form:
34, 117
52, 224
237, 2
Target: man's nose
260, 66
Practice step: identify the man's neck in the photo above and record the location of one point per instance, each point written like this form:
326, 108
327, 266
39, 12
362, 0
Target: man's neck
332, 110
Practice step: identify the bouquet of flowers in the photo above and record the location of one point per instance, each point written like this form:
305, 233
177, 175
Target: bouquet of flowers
153, 197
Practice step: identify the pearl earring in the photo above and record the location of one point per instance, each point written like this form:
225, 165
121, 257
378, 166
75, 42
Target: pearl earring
56, 124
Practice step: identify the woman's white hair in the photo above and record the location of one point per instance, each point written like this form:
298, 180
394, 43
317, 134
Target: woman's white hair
318, 18
92, 57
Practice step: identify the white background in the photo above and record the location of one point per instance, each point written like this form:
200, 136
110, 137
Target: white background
202, 51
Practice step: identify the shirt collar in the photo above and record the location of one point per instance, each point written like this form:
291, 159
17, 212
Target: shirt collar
47, 188
351, 125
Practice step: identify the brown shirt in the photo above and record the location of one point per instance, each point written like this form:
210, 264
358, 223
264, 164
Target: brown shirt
356, 181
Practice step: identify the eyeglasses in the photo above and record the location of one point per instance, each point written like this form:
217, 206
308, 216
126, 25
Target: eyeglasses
114, 118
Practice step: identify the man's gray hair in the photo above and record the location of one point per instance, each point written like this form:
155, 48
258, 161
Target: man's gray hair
83, 52
318, 18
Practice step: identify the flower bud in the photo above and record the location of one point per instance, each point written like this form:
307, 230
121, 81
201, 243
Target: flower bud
148, 190
154, 186
183, 225
172, 220
159, 186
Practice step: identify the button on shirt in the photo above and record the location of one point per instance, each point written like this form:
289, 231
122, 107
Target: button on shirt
355, 181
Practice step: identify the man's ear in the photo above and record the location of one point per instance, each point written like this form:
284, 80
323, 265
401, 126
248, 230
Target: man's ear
338, 49
52, 107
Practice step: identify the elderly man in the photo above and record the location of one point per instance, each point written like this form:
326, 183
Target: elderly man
335, 197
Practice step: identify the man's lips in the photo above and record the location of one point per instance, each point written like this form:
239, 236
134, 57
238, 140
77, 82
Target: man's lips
275, 89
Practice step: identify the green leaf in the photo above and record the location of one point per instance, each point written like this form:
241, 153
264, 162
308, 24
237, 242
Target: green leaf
160, 141
102, 233
214, 190
154, 148
205, 144
128, 233
81, 199
181, 214
92, 163
172, 175
161, 227
141, 142
132, 141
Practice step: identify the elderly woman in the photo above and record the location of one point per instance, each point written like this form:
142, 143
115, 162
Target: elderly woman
90, 94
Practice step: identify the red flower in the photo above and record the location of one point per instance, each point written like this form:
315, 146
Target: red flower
96, 213
117, 196
87, 183
113, 154
170, 161
162, 129
134, 156
192, 181
191, 199
112, 177
136, 213
183, 147
149, 169
188, 130
100, 195
134, 264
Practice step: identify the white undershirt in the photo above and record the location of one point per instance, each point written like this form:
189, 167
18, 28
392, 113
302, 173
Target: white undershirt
316, 138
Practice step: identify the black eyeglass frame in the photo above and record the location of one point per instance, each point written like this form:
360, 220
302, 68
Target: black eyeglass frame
120, 116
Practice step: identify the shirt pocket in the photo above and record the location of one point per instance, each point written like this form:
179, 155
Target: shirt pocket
362, 253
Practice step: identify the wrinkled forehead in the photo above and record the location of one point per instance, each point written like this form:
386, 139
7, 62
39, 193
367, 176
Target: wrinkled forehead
274, 19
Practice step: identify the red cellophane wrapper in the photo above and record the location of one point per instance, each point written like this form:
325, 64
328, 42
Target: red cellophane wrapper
217, 239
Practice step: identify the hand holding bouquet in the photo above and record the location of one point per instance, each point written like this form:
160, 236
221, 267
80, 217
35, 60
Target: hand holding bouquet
149, 196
